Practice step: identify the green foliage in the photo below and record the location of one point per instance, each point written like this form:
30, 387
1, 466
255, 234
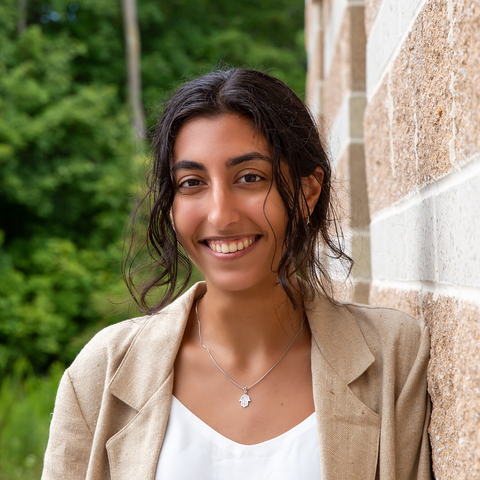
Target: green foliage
26, 402
66, 170
182, 39
67, 165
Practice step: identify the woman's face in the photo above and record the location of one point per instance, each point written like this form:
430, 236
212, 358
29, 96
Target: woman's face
227, 213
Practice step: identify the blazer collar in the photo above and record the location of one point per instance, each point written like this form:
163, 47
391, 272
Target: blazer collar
144, 381
348, 431
338, 336
151, 356
149, 360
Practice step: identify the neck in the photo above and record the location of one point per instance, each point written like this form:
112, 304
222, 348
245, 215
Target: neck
249, 323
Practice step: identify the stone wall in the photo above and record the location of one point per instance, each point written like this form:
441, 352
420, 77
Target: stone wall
414, 166
335, 38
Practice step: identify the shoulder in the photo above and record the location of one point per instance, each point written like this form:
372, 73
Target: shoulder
399, 342
108, 347
96, 365
389, 327
82, 388
103, 355
383, 316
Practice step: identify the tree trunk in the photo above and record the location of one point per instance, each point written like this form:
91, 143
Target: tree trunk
133, 53
22, 16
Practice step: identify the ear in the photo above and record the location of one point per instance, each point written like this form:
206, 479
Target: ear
312, 186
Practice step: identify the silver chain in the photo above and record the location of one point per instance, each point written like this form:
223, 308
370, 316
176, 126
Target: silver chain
245, 389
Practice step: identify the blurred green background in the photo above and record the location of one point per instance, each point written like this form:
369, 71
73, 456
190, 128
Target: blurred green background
70, 165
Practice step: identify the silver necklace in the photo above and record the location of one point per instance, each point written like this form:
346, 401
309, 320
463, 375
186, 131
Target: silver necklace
244, 399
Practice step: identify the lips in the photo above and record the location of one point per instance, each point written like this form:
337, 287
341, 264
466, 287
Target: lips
231, 245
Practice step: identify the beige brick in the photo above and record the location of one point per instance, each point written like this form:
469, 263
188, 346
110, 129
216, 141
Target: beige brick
361, 292
467, 384
453, 377
434, 122
442, 318
405, 123
315, 70
422, 124
371, 10
352, 207
347, 71
466, 67
337, 82
405, 300
357, 48
326, 12
341, 188
416, 102
351, 291
381, 186
357, 106
360, 252
308, 19
359, 212
349, 188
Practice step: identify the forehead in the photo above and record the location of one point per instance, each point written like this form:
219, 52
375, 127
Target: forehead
223, 136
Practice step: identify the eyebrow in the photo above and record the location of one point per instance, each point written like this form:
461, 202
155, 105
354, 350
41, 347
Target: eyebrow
232, 162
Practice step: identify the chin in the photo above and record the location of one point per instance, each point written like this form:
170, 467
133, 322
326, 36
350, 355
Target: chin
234, 283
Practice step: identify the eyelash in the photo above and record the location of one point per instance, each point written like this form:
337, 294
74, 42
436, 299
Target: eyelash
182, 184
248, 174
252, 174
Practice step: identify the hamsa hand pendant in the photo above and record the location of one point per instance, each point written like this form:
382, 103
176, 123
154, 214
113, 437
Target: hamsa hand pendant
244, 399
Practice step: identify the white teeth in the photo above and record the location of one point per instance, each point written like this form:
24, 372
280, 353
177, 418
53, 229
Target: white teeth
231, 247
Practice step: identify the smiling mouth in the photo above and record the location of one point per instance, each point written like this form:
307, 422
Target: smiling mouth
231, 246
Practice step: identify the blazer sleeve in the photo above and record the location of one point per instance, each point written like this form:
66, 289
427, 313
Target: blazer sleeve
70, 440
412, 417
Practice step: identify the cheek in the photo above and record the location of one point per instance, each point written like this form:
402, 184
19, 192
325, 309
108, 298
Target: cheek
181, 218
276, 213
187, 217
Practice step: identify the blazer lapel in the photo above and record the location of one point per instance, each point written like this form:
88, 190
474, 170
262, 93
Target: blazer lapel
133, 452
144, 381
348, 430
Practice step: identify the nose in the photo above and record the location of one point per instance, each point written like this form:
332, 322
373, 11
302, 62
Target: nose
223, 207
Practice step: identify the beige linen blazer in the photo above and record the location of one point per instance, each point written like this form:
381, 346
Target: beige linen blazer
369, 385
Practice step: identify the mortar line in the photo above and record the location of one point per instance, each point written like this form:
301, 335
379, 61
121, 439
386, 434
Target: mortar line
417, 196
459, 292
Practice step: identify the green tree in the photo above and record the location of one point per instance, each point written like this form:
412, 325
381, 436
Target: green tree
66, 171
67, 152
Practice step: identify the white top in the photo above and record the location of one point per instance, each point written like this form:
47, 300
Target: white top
193, 450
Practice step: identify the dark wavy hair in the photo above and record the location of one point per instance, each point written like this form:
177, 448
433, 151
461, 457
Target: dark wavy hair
277, 113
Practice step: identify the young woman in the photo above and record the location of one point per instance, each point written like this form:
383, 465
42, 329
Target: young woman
256, 372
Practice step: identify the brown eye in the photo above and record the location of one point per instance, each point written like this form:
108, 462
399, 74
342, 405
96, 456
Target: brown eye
250, 178
191, 182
